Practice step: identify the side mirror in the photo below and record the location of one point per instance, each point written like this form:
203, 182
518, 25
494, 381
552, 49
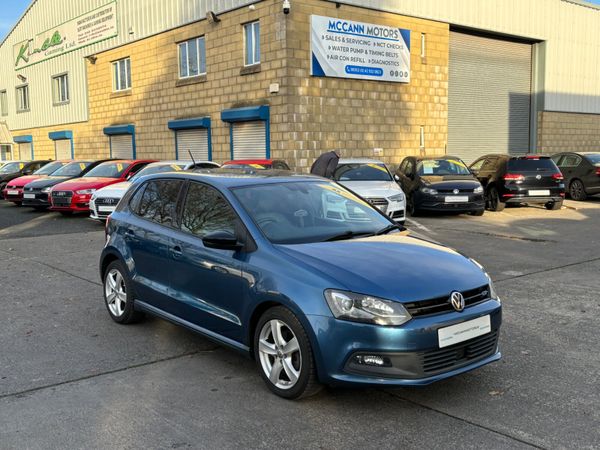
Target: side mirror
221, 240
396, 177
474, 171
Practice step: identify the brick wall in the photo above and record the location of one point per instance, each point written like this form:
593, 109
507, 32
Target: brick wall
561, 131
359, 115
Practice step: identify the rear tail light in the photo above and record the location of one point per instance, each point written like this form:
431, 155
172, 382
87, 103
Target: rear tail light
598, 171
558, 176
513, 177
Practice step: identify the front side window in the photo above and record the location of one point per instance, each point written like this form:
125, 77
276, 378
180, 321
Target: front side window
252, 43
60, 88
23, 98
122, 74
570, 161
305, 212
206, 211
362, 172
159, 201
192, 58
4, 103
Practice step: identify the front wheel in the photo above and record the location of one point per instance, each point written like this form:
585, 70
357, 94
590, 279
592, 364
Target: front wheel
284, 355
412, 209
554, 206
477, 213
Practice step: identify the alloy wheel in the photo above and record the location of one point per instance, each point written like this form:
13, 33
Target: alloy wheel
279, 353
115, 292
576, 190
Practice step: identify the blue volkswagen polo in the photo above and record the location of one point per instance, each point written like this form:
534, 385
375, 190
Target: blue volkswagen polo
315, 284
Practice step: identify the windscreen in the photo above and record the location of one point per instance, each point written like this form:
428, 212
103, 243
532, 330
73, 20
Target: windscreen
108, 170
49, 168
441, 167
72, 169
303, 212
12, 167
531, 165
159, 168
361, 172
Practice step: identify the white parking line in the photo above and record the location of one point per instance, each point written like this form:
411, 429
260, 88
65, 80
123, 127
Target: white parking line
420, 226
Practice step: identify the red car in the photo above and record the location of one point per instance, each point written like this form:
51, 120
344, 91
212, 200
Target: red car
14, 189
74, 195
256, 164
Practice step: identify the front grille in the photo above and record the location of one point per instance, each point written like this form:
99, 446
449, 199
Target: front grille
378, 202
451, 191
442, 304
106, 201
61, 198
459, 354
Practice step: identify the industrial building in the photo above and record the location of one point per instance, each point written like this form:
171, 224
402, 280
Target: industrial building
226, 79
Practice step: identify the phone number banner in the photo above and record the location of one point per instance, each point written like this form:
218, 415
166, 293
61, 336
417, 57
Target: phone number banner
365, 51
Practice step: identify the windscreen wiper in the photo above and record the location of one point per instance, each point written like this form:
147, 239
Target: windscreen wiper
349, 234
390, 227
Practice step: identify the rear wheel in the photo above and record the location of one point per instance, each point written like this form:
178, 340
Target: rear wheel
477, 213
554, 206
412, 209
284, 355
118, 294
577, 190
494, 202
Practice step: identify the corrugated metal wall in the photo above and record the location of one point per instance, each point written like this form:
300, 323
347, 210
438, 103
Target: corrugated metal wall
572, 32
143, 17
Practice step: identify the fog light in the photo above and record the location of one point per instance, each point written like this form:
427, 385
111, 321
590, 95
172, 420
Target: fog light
372, 360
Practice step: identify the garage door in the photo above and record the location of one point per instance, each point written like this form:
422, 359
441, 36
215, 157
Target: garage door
62, 149
249, 140
25, 151
489, 96
121, 146
194, 141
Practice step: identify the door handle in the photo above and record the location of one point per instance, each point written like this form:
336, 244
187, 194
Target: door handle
130, 234
176, 251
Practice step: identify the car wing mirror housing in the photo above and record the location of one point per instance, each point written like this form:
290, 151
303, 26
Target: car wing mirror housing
222, 240
396, 177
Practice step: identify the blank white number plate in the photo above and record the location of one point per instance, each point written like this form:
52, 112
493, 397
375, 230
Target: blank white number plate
106, 208
28, 195
464, 331
11, 192
542, 192
457, 199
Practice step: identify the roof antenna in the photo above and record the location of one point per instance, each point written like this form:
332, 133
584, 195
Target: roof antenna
192, 156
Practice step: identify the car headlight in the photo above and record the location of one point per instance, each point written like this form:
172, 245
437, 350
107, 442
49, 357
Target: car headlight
365, 308
478, 190
493, 293
397, 198
47, 190
85, 191
429, 191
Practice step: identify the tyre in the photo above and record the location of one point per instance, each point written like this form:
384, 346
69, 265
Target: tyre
494, 202
477, 213
554, 206
284, 355
118, 294
412, 209
577, 190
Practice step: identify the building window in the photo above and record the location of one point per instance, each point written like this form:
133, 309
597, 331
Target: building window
4, 103
252, 43
192, 58
121, 74
60, 88
23, 98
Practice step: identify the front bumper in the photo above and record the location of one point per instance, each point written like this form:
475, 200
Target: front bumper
531, 199
76, 203
13, 194
39, 199
426, 202
101, 210
411, 350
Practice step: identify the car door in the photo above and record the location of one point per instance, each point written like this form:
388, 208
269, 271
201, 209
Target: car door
207, 284
568, 166
488, 171
147, 237
407, 175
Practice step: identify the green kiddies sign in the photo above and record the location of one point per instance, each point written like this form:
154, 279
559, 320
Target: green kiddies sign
87, 29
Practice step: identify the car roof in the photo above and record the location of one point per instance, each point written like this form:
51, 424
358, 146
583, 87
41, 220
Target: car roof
423, 158
236, 178
251, 161
359, 161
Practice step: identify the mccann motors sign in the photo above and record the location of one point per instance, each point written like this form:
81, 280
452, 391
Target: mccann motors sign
89, 28
347, 49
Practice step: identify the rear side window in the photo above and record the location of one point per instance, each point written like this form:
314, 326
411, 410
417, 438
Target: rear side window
531, 165
158, 202
570, 161
205, 211
490, 164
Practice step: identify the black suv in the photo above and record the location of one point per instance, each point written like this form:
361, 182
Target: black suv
581, 171
519, 179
